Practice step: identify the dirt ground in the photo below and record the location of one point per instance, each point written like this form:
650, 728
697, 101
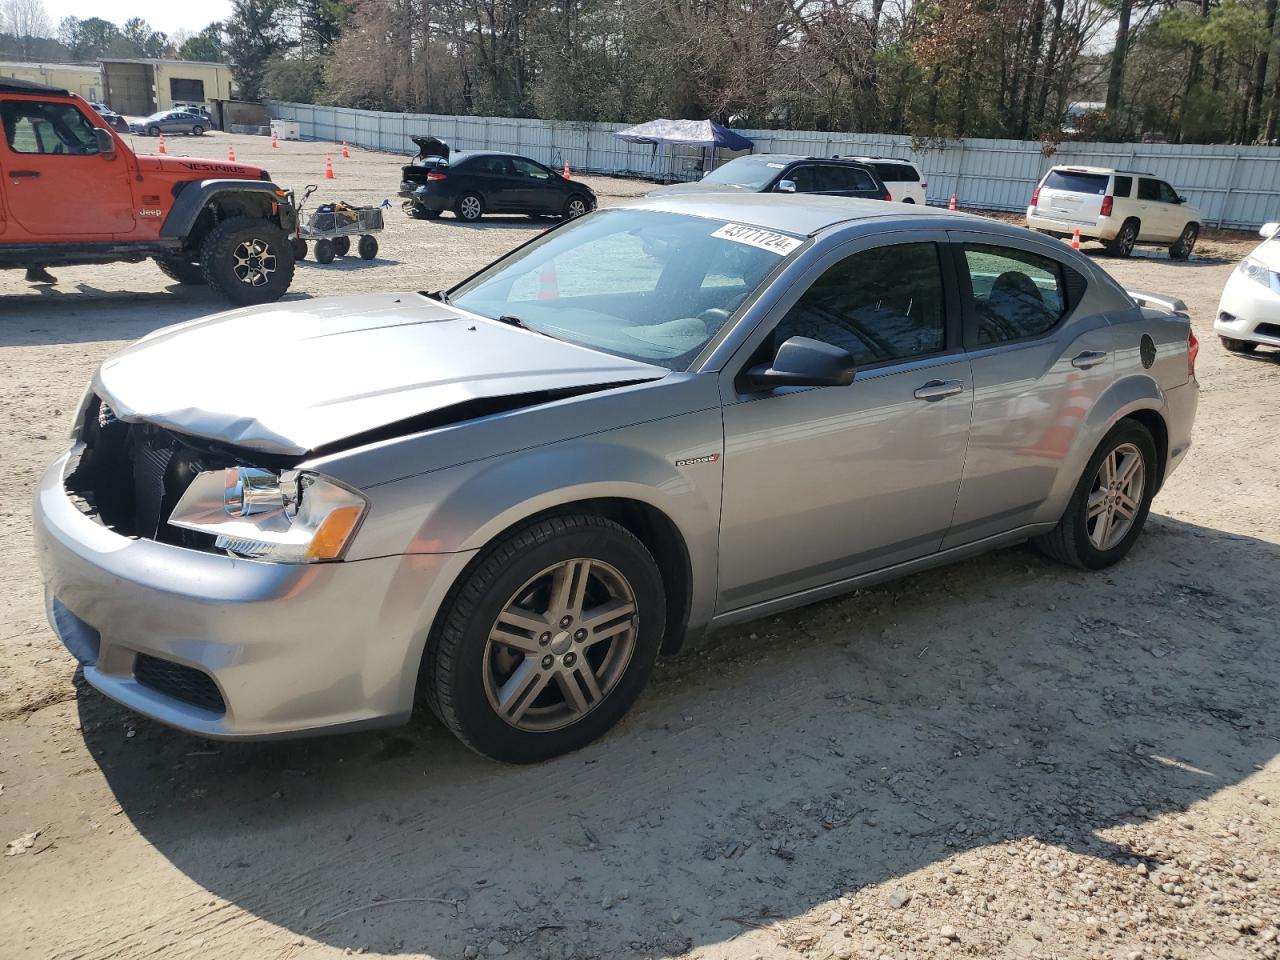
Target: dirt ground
1001, 759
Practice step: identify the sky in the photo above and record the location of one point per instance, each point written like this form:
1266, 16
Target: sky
163, 15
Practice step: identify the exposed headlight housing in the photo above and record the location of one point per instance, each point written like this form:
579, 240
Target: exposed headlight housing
1260, 272
288, 517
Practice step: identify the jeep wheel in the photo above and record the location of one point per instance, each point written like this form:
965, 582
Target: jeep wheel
248, 260
182, 271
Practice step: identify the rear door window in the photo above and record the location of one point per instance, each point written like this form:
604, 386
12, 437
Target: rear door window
1016, 294
1077, 182
1148, 189
860, 179
833, 179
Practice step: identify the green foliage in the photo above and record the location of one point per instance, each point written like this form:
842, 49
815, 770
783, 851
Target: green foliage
255, 32
297, 80
205, 45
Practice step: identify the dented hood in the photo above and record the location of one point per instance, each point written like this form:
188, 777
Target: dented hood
288, 378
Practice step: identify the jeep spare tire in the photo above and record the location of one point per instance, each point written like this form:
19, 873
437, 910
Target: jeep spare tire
247, 260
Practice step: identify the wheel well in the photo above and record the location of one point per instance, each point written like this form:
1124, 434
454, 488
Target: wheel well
224, 206
651, 527
1160, 433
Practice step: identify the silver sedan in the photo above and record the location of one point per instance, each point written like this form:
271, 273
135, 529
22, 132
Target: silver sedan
510, 498
170, 121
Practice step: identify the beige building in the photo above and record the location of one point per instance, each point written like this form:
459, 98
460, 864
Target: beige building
141, 87
82, 78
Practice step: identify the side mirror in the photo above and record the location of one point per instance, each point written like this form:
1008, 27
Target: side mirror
786, 186
1181, 198
106, 143
1269, 230
802, 362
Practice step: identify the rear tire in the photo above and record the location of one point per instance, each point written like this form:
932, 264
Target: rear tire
1080, 539
1181, 248
197, 131
342, 246
1125, 240
470, 207
324, 251
472, 678
368, 247
247, 260
1238, 346
182, 271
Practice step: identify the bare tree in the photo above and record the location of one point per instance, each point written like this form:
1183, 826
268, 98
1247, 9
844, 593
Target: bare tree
26, 21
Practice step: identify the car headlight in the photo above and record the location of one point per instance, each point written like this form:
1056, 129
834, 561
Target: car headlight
1261, 273
288, 517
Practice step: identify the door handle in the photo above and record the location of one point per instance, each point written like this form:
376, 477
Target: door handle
937, 389
16, 174
1090, 358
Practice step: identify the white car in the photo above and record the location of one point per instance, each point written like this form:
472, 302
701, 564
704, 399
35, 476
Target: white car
902, 177
1249, 311
1122, 208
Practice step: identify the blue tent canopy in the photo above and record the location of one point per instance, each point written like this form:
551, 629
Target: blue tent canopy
693, 133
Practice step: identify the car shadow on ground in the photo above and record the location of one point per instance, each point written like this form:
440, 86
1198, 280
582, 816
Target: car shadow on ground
841, 745
353, 262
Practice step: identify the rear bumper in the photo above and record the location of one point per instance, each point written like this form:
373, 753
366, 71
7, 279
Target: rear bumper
1180, 416
1103, 228
424, 195
290, 648
1248, 311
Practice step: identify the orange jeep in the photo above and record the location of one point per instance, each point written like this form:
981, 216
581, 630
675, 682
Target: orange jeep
71, 191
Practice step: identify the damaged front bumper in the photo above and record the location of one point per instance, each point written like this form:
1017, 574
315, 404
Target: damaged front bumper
230, 648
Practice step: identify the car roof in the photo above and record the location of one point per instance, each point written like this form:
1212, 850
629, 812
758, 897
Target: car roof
14, 85
810, 214
797, 157
1080, 168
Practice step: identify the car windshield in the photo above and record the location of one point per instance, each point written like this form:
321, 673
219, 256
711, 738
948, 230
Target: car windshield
159, 116
746, 172
640, 284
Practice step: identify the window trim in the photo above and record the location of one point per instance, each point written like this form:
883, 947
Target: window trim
953, 345
957, 240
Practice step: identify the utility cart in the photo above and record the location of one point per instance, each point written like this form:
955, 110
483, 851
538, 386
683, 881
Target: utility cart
331, 228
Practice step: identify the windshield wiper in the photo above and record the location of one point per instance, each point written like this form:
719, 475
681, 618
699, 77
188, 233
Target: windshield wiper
512, 320
439, 295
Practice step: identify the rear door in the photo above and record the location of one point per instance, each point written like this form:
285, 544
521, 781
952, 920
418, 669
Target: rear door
492, 177
1073, 196
57, 185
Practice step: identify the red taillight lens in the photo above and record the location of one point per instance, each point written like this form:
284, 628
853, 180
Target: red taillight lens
1106, 205
437, 176
1193, 351
888, 196
1035, 196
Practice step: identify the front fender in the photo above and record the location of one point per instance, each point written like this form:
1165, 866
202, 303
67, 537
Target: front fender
195, 196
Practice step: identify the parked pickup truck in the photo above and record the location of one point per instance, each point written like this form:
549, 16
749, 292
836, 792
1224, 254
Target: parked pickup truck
72, 192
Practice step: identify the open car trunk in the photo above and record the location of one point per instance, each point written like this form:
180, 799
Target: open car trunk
433, 153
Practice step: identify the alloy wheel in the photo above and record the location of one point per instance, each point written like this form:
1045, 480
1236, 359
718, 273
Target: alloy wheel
577, 208
253, 262
560, 645
1116, 496
470, 207
1128, 238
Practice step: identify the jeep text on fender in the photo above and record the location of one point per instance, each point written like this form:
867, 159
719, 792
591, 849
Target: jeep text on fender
73, 192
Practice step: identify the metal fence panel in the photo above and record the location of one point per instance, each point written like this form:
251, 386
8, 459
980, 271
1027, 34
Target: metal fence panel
1234, 186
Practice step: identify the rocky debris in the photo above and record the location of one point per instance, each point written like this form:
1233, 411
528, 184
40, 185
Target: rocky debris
22, 844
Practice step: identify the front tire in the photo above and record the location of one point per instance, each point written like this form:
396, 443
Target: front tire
181, 271
247, 260
549, 639
1238, 346
153, 131
1110, 504
1181, 248
1125, 240
578, 206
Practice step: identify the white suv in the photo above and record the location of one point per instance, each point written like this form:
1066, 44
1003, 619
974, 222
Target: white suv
1121, 208
900, 176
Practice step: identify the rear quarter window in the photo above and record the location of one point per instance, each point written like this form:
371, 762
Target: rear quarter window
1073, 182
1123, 187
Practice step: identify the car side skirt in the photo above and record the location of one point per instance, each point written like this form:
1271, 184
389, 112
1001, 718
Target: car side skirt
942, 558
13, 256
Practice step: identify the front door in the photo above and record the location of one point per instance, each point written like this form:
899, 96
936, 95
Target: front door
57, 185
822, 484
533, 190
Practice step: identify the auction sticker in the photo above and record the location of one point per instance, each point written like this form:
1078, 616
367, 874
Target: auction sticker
778, 243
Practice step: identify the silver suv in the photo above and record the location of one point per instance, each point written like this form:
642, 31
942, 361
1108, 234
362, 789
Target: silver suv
509, 498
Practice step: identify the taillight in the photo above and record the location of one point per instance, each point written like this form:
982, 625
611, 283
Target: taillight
1106, 205
1035, 196
437, 176
1193, 351
888, 196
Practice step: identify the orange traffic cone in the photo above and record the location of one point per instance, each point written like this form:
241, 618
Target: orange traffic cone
231, 152
1056, 441
548, 284
275, 145
346, 154
328, 169
1075, 239
162, 149
951, 204
566, 170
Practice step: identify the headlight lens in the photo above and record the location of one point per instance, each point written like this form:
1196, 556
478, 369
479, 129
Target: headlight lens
289, 517
1261, 273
